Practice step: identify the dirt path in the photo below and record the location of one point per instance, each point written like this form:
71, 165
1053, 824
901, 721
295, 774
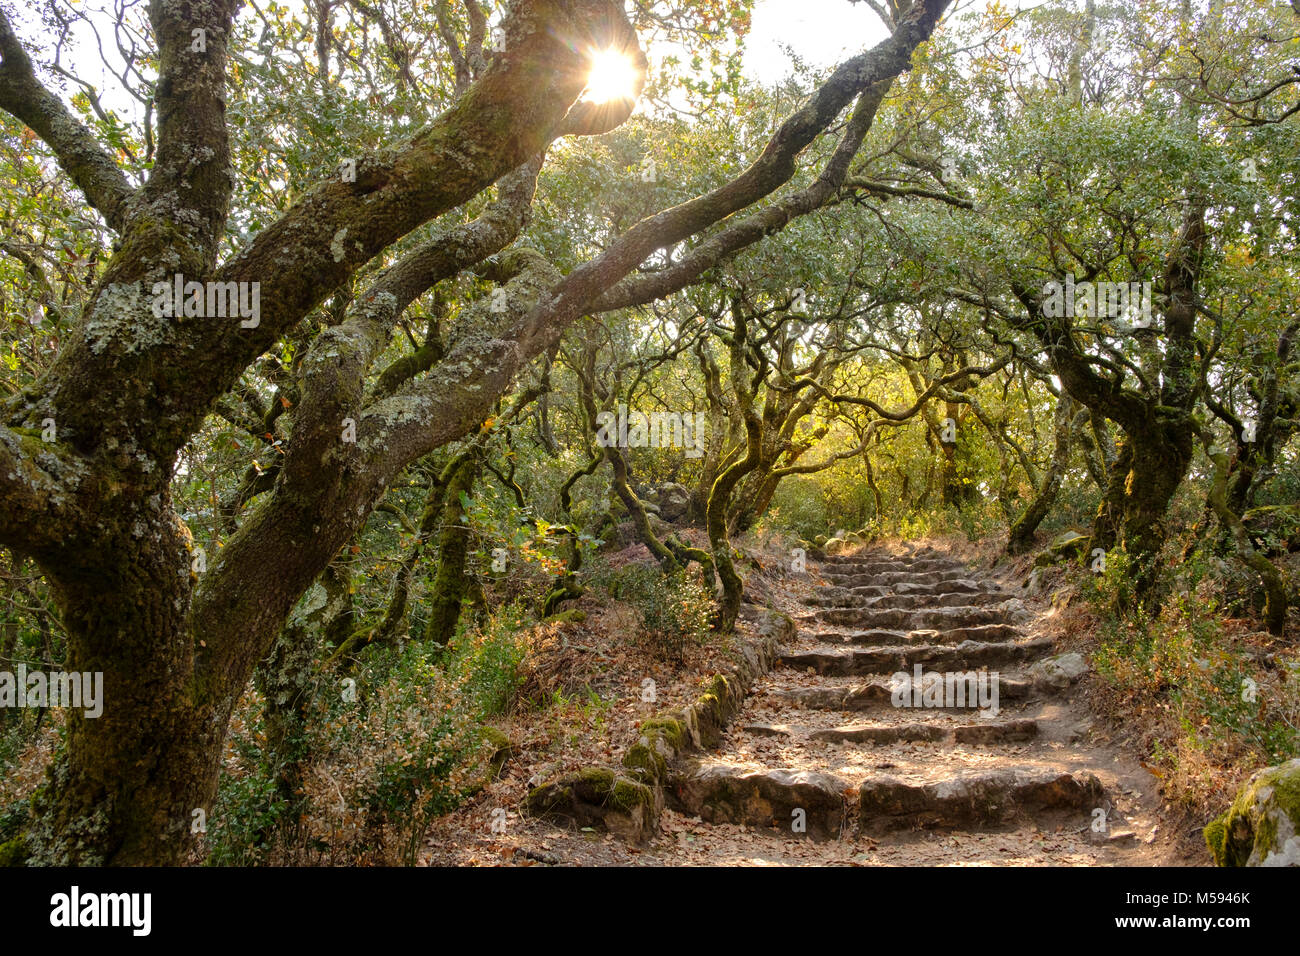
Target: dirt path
853, 752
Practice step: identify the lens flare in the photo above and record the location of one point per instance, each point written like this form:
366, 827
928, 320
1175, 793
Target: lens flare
613, 76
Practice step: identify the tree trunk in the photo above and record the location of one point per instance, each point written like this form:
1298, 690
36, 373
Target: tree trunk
126, 620
450, 584
1024, 527
1147, 473
1275, 600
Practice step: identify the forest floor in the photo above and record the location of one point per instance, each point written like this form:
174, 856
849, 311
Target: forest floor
878, 784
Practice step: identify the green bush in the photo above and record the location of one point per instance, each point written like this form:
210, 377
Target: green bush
383, 762
675, 609
489, 661
1182, 664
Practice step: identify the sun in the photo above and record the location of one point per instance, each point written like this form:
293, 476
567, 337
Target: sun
613, 76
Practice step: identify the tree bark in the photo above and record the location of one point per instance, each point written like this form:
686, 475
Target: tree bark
1021, 537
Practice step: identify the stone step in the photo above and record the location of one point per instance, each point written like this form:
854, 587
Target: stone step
996, 731
989, 798
881, 733
884, 567
855, 696
722, 793
922, 602
883, 637
955, 586
840, 598
950, 586
821, 805
894, 578
939, 619
966, 656
985, 732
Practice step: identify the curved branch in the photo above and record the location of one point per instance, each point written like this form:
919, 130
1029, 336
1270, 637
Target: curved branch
78, 152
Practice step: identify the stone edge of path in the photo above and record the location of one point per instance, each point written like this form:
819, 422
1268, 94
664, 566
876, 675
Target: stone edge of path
627, 801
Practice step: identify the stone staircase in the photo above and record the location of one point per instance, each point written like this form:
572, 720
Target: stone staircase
907, 704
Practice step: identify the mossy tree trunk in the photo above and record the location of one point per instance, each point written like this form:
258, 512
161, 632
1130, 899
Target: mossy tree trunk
450, 582
743, 386
288, 680
721, 428
1023, 528
1275, 598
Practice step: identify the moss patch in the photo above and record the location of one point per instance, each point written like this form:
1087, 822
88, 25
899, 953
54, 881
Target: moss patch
1261, 826
14, 852
662, 739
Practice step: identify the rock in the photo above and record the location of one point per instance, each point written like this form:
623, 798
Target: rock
820, 540
1015, 612
1260, 828
767, 730
1070, 544
600, 799
1079, 731
1034, 586
836, 546
991, 797
721, 793
669, 500
880, 733
997, 732
674, 501
1059, 672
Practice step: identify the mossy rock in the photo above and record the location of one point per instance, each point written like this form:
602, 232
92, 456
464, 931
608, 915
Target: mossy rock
661, 739
713, 708
1262, 827
820, 540
572, 616
836, 546
598, 797
647, 763
498, 747
1072, 544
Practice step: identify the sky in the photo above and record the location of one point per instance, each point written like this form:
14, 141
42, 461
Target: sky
823, 32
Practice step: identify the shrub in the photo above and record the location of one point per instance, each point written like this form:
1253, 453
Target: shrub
383, 762
1199, 677
675, 609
